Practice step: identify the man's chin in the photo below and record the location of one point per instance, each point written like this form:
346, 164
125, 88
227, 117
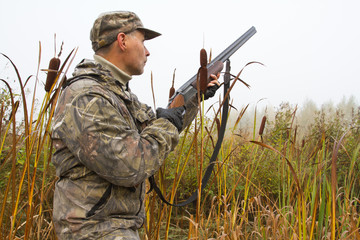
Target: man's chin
138, 73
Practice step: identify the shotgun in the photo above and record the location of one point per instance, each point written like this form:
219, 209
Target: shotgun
188, 90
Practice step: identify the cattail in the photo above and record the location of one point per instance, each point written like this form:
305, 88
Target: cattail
262, 126
203, 72
52, 73
203, 58
172, 89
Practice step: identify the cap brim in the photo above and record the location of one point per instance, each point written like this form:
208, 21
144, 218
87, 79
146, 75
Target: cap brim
149, 34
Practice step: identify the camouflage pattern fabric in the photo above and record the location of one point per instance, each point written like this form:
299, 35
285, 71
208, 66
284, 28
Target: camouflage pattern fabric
107, 144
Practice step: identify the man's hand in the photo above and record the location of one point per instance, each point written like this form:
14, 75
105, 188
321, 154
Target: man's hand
174, 115
212, 87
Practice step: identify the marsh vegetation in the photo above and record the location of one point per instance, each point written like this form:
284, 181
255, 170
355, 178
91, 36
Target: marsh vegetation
283, 172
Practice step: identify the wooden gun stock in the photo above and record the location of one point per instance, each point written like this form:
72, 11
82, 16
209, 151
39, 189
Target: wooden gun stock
178, 101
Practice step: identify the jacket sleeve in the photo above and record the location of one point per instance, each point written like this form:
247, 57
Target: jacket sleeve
101, 136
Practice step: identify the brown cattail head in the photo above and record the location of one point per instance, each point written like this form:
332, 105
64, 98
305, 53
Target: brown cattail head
203, 72
52, 73
203, 58
172, 91
262, 126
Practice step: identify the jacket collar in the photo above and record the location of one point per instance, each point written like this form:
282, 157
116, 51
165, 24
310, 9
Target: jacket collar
92, 69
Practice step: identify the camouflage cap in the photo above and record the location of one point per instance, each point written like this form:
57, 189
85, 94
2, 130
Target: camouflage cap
109, 24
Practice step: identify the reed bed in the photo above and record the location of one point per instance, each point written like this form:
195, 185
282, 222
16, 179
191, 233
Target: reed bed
267, 183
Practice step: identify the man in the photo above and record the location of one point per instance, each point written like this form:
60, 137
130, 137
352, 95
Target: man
108, 143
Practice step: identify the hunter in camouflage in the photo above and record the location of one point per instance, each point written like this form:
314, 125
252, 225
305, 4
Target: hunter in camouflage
107, 142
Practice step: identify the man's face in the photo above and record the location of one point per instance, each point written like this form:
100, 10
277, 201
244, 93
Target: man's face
136, 53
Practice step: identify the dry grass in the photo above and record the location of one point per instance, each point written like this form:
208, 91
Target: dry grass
269, 185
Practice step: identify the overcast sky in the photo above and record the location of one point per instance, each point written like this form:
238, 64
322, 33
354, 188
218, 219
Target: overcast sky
310, 48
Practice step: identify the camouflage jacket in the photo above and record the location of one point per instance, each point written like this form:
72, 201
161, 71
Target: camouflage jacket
107, 144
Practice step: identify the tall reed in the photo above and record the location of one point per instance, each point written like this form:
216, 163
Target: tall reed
26, 201
266, 184
277, 188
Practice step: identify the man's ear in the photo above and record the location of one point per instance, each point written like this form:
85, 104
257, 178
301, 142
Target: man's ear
121, 40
